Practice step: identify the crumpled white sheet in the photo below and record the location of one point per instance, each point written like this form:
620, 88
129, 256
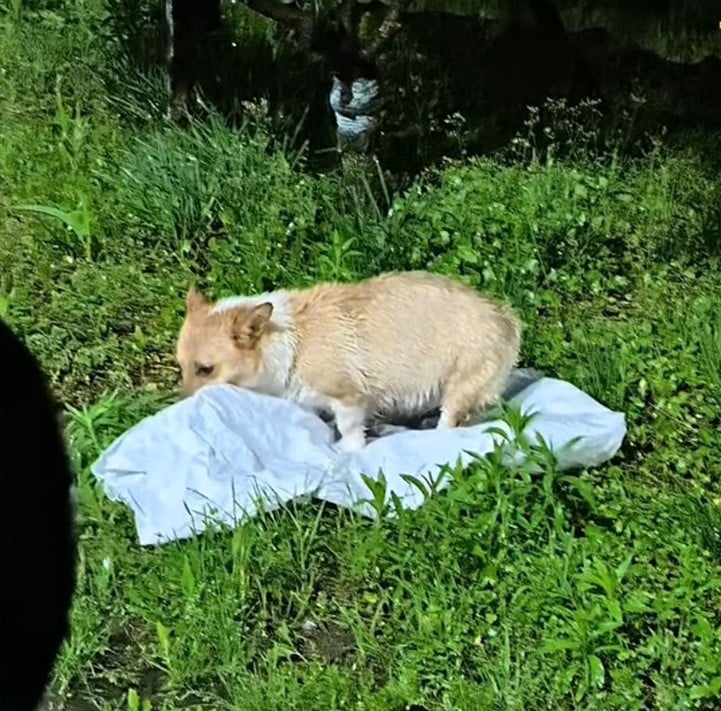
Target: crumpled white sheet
214, 456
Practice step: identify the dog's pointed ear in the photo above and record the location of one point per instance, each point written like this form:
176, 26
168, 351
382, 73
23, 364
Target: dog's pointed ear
194, 300
248, 327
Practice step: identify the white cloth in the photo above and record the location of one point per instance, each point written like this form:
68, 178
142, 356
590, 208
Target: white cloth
211, 456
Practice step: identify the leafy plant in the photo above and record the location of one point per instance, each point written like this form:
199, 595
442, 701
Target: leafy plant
76, 222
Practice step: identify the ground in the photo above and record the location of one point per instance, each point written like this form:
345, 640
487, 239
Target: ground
596, 589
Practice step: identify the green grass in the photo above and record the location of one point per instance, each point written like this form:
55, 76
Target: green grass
512, 590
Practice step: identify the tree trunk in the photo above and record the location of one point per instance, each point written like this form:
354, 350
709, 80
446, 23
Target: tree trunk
189, 22
355, 94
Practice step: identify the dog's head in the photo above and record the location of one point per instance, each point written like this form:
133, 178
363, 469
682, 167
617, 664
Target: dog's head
221, 345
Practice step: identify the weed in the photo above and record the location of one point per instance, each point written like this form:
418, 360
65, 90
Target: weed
77, 221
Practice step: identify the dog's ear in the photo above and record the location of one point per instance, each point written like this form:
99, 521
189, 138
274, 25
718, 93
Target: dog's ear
247, 327
194, 300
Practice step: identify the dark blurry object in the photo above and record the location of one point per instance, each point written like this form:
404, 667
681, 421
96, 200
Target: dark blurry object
37, 544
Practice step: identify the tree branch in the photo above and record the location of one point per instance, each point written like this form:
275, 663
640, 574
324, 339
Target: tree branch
389, 28
349, 13
283, 14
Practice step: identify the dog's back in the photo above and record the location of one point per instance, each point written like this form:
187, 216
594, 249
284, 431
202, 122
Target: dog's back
402, 339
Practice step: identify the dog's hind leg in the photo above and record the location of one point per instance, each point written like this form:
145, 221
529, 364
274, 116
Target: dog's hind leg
468, 392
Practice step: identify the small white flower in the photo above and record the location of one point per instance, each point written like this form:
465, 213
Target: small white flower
309, 627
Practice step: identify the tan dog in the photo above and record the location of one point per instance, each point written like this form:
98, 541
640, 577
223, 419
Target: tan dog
397, 343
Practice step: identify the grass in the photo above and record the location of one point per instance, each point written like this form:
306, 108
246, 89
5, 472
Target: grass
512, 590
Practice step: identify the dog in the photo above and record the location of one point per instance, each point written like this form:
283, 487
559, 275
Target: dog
402, 343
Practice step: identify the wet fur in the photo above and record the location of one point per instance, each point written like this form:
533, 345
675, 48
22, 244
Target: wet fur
402, 343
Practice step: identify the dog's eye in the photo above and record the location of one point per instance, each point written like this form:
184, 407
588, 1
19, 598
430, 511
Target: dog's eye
203, 371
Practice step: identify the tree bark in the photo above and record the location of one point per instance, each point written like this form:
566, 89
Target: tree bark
356, 94
189, 22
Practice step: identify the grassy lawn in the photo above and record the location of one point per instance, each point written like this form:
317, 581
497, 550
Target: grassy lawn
600, 590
